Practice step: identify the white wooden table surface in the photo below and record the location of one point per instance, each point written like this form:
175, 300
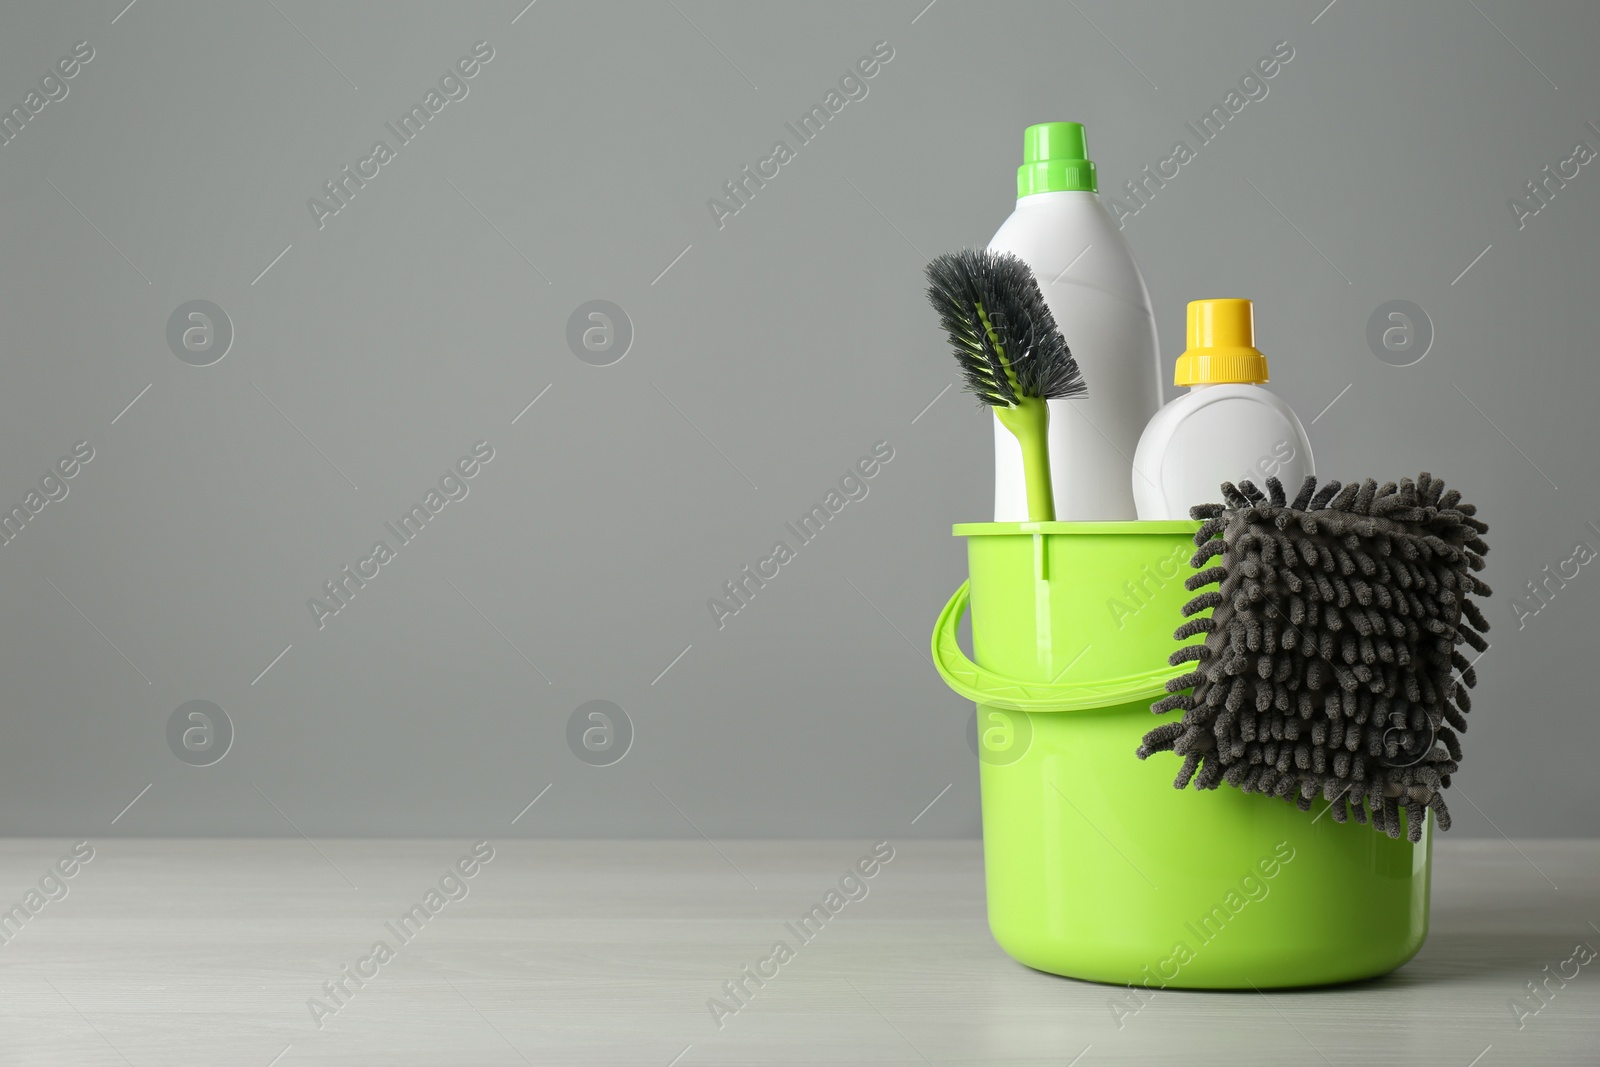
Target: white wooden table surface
207, 952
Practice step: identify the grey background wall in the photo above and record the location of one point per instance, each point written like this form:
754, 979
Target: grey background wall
371, 350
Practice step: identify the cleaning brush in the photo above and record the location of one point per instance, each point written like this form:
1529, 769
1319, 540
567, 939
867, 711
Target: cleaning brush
1329, 662
1011, 352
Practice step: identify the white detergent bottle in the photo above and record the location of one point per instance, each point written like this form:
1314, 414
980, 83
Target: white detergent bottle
1226, 428
1087, 274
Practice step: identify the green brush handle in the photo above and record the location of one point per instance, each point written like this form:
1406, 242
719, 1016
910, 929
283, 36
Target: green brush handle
1029, 422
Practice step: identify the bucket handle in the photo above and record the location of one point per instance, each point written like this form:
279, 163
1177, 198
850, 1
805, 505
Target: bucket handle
995, 690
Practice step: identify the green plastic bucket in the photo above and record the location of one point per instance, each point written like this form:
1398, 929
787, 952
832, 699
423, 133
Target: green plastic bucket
1097, 868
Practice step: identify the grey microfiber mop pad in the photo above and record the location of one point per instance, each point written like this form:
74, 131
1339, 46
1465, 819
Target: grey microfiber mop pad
1329, 662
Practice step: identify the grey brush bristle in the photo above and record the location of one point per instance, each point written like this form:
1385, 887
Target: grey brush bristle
990, 305
1333, 623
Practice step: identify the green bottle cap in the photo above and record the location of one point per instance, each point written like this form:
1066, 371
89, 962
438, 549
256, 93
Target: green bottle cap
1054, 157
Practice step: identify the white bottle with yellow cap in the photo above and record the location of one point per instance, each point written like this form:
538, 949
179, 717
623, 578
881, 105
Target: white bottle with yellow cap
1225, 429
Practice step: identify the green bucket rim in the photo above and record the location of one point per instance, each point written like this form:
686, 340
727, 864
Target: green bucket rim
992, 689
996, 529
